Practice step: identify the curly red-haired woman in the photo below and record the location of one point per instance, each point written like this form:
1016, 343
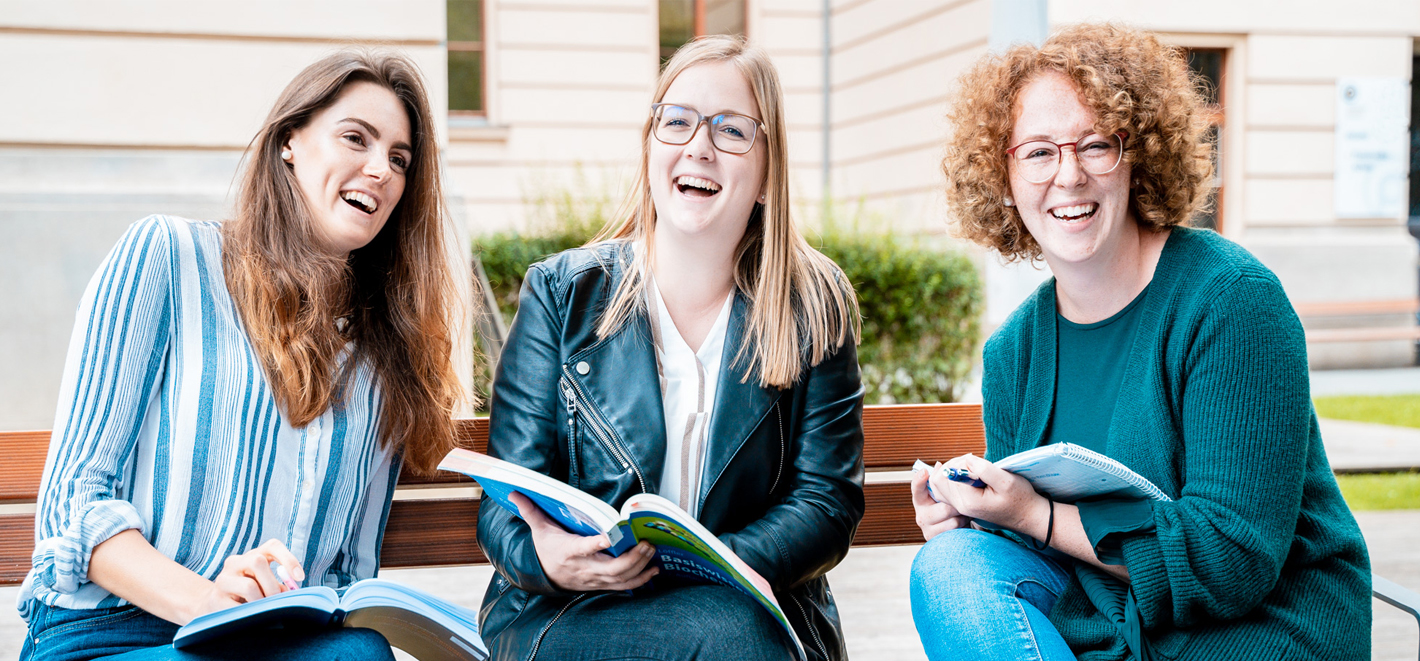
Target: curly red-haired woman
1168, 349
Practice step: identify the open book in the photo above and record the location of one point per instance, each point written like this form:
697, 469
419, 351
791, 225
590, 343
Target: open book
1069, 473
684, 549
420, 624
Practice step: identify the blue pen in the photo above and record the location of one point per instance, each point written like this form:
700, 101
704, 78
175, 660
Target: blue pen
962, 475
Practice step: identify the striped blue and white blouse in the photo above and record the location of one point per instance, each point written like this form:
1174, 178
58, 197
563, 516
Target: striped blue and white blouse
166, 424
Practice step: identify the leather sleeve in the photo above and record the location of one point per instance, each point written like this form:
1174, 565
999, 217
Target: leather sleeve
809, 531
523, 426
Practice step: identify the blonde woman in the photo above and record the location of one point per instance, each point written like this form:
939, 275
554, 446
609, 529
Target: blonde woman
698, 349
240, 396
1169, 349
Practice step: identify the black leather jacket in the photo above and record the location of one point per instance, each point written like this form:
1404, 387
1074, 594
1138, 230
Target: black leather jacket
783, 480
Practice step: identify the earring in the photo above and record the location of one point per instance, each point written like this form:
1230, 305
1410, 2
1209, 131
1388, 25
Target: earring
1008, 202
761, 199
286, 155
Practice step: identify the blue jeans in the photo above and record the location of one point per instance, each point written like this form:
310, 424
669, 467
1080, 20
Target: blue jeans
702, 622
129, 633
976, 595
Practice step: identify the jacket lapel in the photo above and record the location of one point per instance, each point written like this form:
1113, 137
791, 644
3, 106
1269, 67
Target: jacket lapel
622, 382
739, 406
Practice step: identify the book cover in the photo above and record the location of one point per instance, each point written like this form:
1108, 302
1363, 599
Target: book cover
418, 623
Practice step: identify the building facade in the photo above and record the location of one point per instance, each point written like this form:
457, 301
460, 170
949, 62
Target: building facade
112, 111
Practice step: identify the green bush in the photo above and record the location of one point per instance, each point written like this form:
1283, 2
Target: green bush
921, 306
921, 316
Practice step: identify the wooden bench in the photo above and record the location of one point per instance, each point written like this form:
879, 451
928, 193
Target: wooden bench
1378, 308
432, 520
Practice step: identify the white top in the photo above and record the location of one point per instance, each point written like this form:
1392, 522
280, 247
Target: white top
688, 381
166, 425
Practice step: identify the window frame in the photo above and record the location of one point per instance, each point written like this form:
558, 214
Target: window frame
1216, 114
452, 46
697, 23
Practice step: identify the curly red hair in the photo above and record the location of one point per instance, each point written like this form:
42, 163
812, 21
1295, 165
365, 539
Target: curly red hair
1131, 81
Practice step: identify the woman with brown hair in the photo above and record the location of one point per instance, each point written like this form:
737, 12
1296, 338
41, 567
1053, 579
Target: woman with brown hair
1168, 349
698, 349
240, 396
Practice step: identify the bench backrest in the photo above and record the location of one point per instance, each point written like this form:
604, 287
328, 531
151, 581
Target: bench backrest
432, 520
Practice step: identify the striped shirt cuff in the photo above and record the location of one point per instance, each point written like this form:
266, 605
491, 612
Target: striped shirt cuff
61, 563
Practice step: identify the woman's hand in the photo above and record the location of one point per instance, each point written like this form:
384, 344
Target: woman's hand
933, 517
1008, 500
248, 577
574, 562
129, 567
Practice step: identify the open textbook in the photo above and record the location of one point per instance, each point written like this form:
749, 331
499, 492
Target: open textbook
1068, 473
420, 624
684, 548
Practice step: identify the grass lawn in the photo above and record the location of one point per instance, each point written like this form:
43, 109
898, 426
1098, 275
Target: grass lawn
1381, 491
1400, 410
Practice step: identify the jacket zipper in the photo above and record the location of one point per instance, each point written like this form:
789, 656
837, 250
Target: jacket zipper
538, 643
573, 473
600, 431
812, 629
780, 472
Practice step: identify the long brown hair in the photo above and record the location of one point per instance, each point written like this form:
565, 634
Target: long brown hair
801, 306
396, 292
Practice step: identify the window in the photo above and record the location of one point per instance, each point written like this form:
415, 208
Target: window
683, 20
1210, 65
1415, 146
465, 18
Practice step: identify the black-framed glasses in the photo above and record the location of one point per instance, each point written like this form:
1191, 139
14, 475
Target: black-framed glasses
1037, 161
729, 132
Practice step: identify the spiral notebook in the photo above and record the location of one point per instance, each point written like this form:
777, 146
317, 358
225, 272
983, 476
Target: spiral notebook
1067, 473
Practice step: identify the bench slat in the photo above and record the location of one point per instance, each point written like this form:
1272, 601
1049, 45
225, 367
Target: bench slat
431, 533
17, 540
897, 434
1357, 308
24, 465
1364, 334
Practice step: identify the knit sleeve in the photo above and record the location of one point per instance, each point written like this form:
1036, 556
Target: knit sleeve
1218, 550
112, 371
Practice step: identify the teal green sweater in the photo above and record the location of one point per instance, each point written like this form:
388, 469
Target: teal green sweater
1257, 556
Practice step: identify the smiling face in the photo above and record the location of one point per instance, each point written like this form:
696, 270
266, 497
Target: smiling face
350, 161
1074, 216
699, 191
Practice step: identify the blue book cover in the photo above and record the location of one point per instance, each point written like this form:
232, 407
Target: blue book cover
418, 623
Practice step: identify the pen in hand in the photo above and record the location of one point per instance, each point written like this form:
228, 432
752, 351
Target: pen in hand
285, 578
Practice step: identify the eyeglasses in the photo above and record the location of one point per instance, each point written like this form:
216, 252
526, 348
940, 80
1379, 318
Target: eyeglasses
729, 132
1037, 161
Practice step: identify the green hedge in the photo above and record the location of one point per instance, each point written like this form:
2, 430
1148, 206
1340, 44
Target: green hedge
921, 306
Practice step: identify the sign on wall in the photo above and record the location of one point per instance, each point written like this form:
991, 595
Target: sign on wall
1372, 140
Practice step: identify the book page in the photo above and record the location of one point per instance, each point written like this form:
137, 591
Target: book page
414, 621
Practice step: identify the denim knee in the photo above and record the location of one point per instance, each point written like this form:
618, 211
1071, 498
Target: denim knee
952, 558
359, 644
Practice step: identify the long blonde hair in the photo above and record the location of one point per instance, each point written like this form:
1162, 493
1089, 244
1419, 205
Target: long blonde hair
397, 291
801, 307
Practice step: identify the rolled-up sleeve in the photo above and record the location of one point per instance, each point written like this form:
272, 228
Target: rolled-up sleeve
112, 373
